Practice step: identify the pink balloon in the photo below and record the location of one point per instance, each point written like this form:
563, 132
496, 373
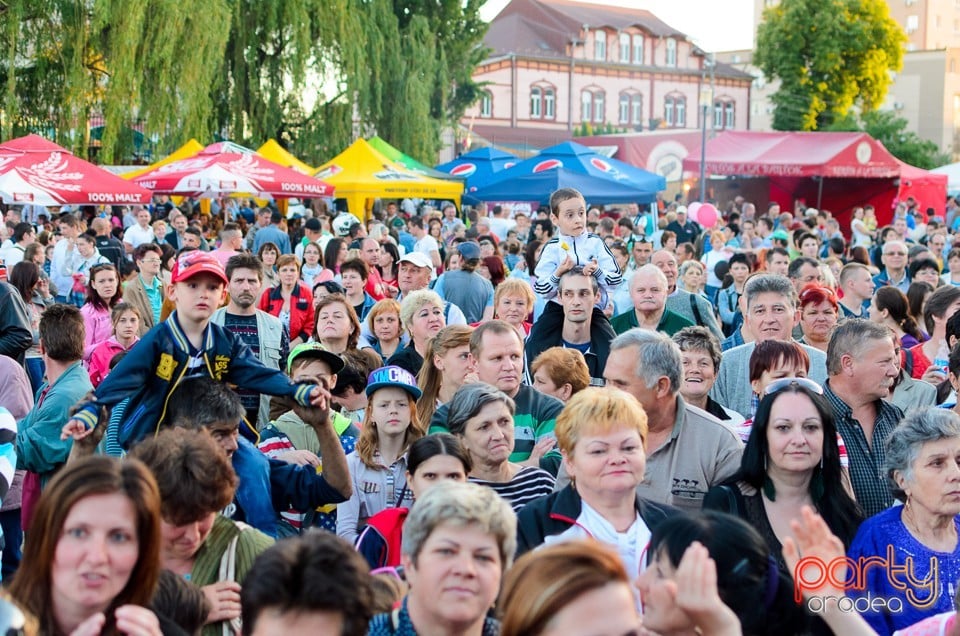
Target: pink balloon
692, 210
707, 215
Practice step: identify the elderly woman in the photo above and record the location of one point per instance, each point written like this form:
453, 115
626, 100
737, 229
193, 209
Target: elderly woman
196, 482
337, 326
700, 354
577, 587
692, 277
923, 467
422, 315
481, 416
792, 459
601, 435
513, 301
92, 560
458, 541
819, 309
560, 372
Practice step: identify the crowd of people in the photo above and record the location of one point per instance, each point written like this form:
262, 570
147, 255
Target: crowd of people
583, 421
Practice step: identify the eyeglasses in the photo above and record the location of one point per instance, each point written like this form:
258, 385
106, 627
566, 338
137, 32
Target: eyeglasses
783, 383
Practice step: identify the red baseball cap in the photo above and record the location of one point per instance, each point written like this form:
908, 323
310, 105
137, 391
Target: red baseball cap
194, 262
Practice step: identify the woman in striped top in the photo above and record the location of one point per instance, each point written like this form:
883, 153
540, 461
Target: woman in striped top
482, 418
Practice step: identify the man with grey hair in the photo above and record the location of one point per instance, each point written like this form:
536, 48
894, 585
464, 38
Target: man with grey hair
769, 312
688, 450
578, 293
861, 362
648, 291
693, 307
893, 255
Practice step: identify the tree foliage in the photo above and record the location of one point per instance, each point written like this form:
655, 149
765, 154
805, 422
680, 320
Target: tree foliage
313, 74
890, 130
830, 56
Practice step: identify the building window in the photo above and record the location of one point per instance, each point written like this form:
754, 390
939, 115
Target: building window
675, 111
586, 106
671, 52
600, 45
624, 48
638, 49
636, 109
486, 104
718, 114
599, 112
729, 112
913, 23
536, 102
549, 103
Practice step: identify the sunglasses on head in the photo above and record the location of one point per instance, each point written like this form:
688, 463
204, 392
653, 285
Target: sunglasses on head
783, 383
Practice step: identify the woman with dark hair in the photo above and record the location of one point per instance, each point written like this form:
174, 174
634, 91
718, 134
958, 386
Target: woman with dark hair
792, 459
925, 270
35, 293
531, 254
334, 254
103, 293
430, 460
92, 558
748, 580
917, 295
890, 307
290, 301
388, 265
269, 253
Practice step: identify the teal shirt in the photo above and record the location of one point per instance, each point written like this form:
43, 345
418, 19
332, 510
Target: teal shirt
670, 323
155, 296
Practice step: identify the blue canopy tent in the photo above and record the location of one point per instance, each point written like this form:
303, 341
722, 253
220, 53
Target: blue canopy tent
478, 167
601, 180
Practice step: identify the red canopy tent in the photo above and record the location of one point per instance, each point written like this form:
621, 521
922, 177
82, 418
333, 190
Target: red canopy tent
929, 189
36, 171
836, 171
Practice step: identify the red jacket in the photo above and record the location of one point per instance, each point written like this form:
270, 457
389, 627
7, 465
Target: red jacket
301, 309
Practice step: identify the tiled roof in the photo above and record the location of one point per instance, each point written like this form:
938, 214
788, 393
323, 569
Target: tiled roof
546, 27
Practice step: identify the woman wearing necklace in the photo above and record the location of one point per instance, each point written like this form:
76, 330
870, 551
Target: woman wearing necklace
923, 467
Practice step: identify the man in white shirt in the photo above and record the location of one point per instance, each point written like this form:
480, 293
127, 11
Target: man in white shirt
23, 235
499, 224
137, 235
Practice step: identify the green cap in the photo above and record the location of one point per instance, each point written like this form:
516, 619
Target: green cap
316, 351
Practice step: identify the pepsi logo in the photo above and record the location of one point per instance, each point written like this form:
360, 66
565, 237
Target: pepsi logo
509, 164
549, 164
600, 164
463, 170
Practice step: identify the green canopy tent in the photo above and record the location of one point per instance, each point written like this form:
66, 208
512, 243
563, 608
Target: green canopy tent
407, 161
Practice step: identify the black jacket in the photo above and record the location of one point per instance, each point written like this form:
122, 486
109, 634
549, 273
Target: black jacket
15, 334
558, 511
549, 333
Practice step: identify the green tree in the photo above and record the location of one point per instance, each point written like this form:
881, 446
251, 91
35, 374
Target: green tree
891, 130
829, 55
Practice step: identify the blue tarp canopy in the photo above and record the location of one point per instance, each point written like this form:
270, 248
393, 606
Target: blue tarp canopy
570, 165
478, 167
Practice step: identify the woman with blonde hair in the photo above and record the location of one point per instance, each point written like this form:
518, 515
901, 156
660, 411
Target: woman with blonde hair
378, 465
513, 300
423, 316
579, 587
447, 366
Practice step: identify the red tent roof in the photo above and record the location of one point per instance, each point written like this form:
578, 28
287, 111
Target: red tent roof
796, 154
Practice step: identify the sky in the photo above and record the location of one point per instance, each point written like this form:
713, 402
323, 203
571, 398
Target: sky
714, 25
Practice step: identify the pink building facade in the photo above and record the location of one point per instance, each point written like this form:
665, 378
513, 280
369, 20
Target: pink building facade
556, 64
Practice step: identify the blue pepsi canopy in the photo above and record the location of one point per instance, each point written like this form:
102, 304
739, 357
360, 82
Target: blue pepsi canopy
539, 185
478, 166
575, 159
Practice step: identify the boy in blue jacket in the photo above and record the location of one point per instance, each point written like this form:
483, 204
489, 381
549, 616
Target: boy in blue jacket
186, 344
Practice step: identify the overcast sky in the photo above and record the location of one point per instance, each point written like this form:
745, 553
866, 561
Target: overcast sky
714, 25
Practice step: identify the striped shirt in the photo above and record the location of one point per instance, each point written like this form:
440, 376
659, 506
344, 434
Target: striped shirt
528, 484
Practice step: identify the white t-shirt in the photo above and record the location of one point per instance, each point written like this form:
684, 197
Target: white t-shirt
137, 236
427, 245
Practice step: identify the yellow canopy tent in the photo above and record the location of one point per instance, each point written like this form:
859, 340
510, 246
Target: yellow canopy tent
277, 154
360, 173
185, 151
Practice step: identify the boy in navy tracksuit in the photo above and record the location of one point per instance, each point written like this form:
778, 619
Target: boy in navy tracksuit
184, 345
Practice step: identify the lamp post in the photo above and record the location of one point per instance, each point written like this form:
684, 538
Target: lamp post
706, 101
